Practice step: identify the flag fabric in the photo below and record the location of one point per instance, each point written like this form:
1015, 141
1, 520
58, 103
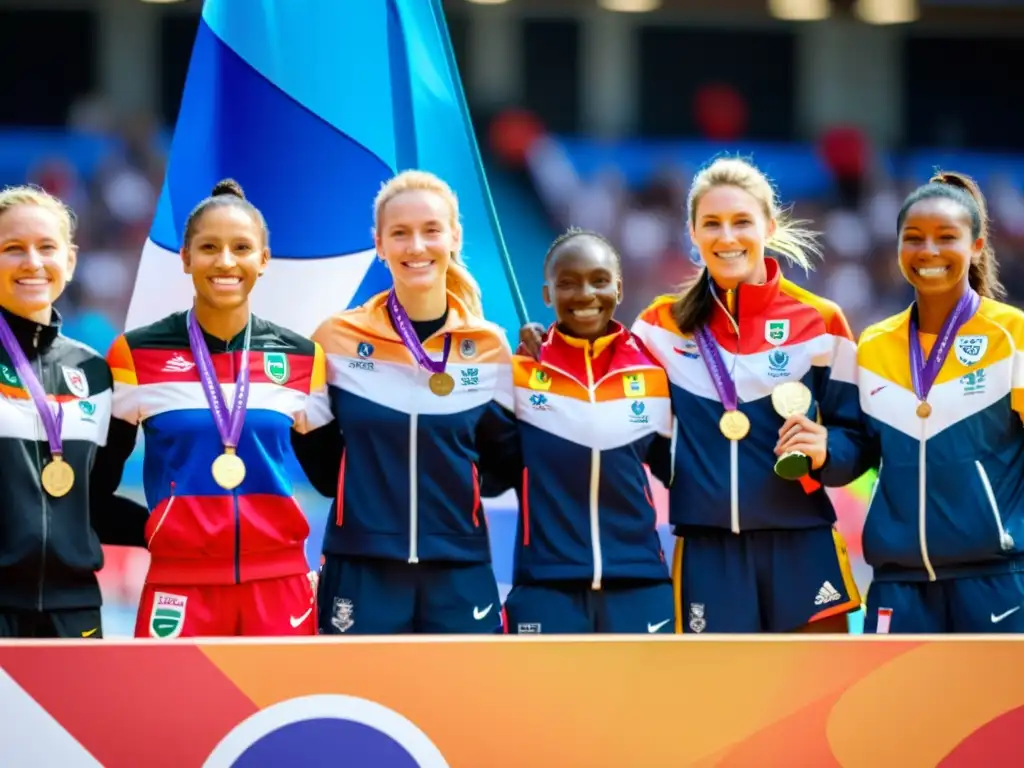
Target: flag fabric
311, 105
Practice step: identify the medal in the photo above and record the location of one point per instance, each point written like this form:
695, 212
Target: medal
228, 469
57, 477
734, 423
441, 383
792, 398
923, 373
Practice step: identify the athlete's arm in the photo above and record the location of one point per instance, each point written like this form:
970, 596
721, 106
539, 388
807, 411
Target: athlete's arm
852, 449
115, 519
319, 454
501, 461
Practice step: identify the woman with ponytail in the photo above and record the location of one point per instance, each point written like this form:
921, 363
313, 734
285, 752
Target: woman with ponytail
420, 385
942, 388
761, 375
216, 392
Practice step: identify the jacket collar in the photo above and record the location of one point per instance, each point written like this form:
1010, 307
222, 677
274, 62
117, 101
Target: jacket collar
459, 317
753, 300
615, 351
31, 335
217, 345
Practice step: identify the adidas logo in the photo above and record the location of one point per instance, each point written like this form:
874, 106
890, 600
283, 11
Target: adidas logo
179, 364
827, 594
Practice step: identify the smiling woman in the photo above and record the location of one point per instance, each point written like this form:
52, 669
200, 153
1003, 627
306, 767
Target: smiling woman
592, 409
59, 473
943, 392
225, 534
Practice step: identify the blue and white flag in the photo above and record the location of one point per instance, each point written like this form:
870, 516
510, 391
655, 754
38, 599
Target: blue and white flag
311, 105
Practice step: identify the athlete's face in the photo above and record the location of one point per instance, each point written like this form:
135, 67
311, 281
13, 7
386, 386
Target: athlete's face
936, 246
584, 287
36, 260
226, 256
730, 230
415, 237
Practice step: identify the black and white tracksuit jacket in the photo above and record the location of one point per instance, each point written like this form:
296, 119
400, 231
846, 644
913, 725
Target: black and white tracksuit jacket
50, 547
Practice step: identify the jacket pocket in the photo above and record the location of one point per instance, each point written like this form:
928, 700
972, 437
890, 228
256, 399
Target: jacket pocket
157, 520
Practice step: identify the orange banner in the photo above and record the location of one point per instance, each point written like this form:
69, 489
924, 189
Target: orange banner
511, 701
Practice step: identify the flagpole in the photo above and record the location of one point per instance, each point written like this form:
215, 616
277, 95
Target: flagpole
460, 94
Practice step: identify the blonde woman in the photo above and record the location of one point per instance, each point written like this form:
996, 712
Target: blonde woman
419, 385
759, 368
59, 470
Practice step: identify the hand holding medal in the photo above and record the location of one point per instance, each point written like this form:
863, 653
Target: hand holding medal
58, 477
228, 469
441, 382
734, 424
793, 399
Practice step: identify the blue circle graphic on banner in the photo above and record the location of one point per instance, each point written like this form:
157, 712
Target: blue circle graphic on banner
326, 730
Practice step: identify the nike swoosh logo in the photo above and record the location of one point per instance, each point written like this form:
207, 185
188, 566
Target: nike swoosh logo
1001, 616
478, 614
295, 622
652, 628
90, 632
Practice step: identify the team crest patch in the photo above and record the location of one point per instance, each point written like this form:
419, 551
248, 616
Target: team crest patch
168, 616
365, 349
776, 332
467, 348
697, 621
970, 349
540, 379
341, 614
633, 385
8, 376
78, 385
275, 365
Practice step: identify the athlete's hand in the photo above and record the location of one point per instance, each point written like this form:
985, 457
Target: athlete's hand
531, 336
810, 438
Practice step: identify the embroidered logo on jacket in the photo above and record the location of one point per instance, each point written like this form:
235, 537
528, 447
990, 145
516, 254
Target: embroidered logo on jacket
633, 385
275, 365
540, 379
78, 385
776, 331
970, 349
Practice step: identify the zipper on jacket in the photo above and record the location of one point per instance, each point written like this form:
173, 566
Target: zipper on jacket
595, 485
1005, 540
39, 468
163, 517
734, 447
414, 521
672, 452
922, 500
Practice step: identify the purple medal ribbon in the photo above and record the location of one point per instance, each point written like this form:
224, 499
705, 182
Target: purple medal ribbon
52, 417
922, 373
403, 325
229, 424
724, 385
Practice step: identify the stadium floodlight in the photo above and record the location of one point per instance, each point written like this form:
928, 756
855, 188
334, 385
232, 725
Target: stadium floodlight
800, 10
887, 11
630, 6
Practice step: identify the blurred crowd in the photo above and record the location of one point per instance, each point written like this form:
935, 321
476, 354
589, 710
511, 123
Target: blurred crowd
114, 208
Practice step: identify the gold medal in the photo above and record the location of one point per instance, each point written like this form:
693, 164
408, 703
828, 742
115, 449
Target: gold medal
924, 410
734, 425
58, 477
229, 469
442, 384
791, 399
